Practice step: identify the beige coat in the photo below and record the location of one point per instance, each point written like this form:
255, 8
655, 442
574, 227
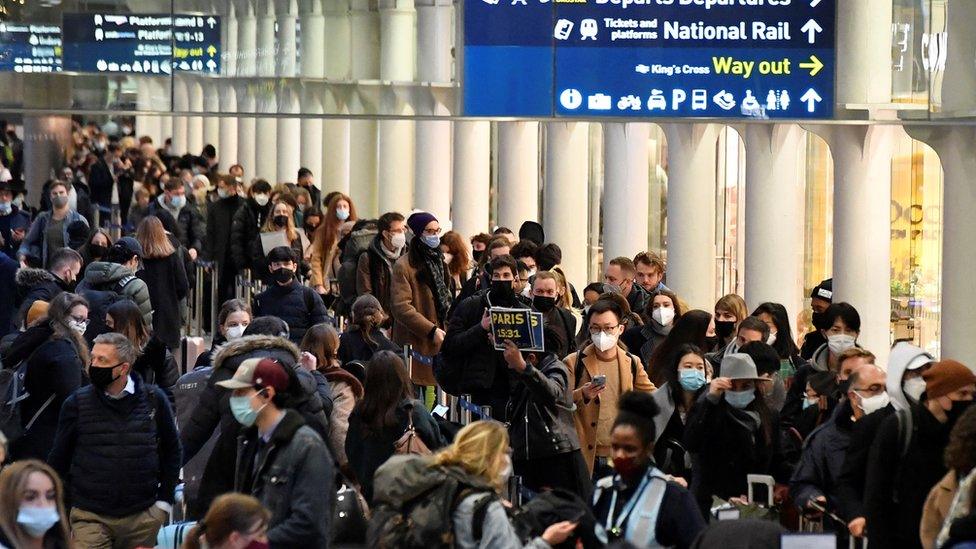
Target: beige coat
936, 509
343, 402
588, 412
414, 317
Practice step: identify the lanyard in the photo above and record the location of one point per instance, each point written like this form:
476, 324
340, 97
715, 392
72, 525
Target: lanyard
615, 529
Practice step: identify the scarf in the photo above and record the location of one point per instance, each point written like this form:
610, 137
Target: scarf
438, 284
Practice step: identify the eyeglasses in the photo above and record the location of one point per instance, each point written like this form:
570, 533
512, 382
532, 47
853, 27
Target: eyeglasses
432, 232
594, 330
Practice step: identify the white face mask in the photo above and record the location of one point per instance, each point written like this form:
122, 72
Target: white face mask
914, 388
398, 240
262, 199
838, 343
604, 341
235, 332
874, 403
78, 327
448, 257
771, 339
663, 315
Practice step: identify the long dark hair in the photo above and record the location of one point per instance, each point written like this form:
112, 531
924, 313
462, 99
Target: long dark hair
387, 385
127, 320
689, 328
58, 315
671, 371
784, 345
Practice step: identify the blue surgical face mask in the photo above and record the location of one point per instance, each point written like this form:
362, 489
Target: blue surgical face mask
178, 201
740, 399
432, 241
240, 407
691, 379
6, 207
36, 521
342, 214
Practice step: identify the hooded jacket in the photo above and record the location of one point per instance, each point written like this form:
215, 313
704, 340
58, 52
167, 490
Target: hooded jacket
103, 275
35, 285
213, 410
902, 354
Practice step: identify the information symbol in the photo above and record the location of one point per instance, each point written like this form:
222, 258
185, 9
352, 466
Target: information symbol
571, 99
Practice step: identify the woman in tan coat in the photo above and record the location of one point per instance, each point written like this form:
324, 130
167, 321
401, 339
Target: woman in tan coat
960, 458
421, 295
598, 375
326, 242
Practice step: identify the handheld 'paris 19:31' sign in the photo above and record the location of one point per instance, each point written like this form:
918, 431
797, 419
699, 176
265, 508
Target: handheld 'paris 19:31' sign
649, 58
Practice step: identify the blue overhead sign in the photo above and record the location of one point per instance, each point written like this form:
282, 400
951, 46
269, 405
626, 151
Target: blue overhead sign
141, 43
649, 58
30, 47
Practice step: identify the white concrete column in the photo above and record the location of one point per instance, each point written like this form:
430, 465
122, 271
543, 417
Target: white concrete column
247, 134
625, 188
230, 50
564, 197
472, 177
266, 157
960, 76
312, 134
774, 215
363, 167
181, 103
864, 51
211, 122
364, 24
149, 99
289, 138
265, 62
338, 36
45, 140
313, 41
518, 173
862, 226
398, 48
691, 211
194, 128
287, 54
228, 152
336, 155
247, 39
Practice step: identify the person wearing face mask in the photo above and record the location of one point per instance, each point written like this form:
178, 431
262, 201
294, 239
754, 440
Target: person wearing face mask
817, 478
457, 258
685, 379
548, 298
747, 329
481, 278
325, 244
780, 338
906, 458
49, 231
375, 267
731, 433
601, 372
468, 346
116, 276
662, 311
729, 311
286, 298
248, 223
234, 521
118, 450
10, 216
421, 295
821, 297
622, 273
221, 242
55, 354
280, 219
45, 284
95, 249
165, 275
275, 443
33, 515
639, 503
174, 202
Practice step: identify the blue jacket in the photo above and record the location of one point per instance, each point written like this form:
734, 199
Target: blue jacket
35, 243
8, 294
823, 459
299, 306
118, 456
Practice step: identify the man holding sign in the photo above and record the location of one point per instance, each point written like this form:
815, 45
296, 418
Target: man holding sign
469, 345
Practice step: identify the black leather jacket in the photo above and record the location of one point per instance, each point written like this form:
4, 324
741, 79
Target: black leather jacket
540, 412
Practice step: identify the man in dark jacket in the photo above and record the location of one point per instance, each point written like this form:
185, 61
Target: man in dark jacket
118, 450
622, 273
547, 298
820, 299
13, 221
484, 371
175, 204
220, 218
102, 176
907, 458
116, 275
306, 180
45, 284
375, 268
280, 460
247, 224
287, 299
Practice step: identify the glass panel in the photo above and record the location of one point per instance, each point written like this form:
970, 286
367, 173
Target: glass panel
818, 234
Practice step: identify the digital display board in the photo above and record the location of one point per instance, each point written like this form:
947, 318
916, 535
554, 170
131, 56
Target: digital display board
30, 47
649, 58
141, 43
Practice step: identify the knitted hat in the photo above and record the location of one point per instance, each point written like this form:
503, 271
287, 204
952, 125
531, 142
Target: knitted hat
418, 222
947, 376
824, 291
37, 311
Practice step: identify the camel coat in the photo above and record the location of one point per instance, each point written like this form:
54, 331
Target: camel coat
936, 509
414, 317
587, 413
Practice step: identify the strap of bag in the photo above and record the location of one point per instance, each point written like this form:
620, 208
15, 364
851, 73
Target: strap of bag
37, 414
123, 282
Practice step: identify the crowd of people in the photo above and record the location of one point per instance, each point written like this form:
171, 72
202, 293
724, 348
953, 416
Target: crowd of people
315, 419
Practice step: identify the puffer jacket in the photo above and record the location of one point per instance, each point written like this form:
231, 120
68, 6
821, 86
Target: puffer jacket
102, 275
213, 410
540, 412
294, 479
35, 285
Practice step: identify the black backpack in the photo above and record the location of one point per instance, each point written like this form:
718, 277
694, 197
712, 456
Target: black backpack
557, 505
12, 394
353, 245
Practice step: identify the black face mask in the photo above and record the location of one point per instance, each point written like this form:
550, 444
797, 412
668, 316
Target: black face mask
502, 291
97, 250
476, 254
102, 377
543, 304
280, 220
820, 320
711, 342
959, 408
283, 276
724, 329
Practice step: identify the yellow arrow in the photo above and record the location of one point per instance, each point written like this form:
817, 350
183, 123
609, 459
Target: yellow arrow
815, 65
212, 50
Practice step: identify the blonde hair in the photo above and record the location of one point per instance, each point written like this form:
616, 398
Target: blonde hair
734, 304
13, 484
270, 227
152, 237
478, 449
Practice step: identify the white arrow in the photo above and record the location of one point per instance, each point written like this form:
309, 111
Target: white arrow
814, 3
811, 98
211, 21
811, 28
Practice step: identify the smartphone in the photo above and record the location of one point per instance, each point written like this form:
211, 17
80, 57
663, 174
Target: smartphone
600, 380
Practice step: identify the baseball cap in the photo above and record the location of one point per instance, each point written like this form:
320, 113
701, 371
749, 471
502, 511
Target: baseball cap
129, 245
258, 373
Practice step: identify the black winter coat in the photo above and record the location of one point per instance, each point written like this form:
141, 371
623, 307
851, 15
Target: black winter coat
850, 484
168, 285
822, 460
353, 346
564, 323
191, 228
299, 306
53, 369
897, 485
220, 220
35, 285
246, 226
101, 180
642, 341
213, 410
157, 366
540, 412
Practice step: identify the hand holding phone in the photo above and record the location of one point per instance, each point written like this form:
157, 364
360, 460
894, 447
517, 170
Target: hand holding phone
600, 380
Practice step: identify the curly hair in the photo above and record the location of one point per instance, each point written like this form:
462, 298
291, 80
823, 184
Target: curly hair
960, 453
